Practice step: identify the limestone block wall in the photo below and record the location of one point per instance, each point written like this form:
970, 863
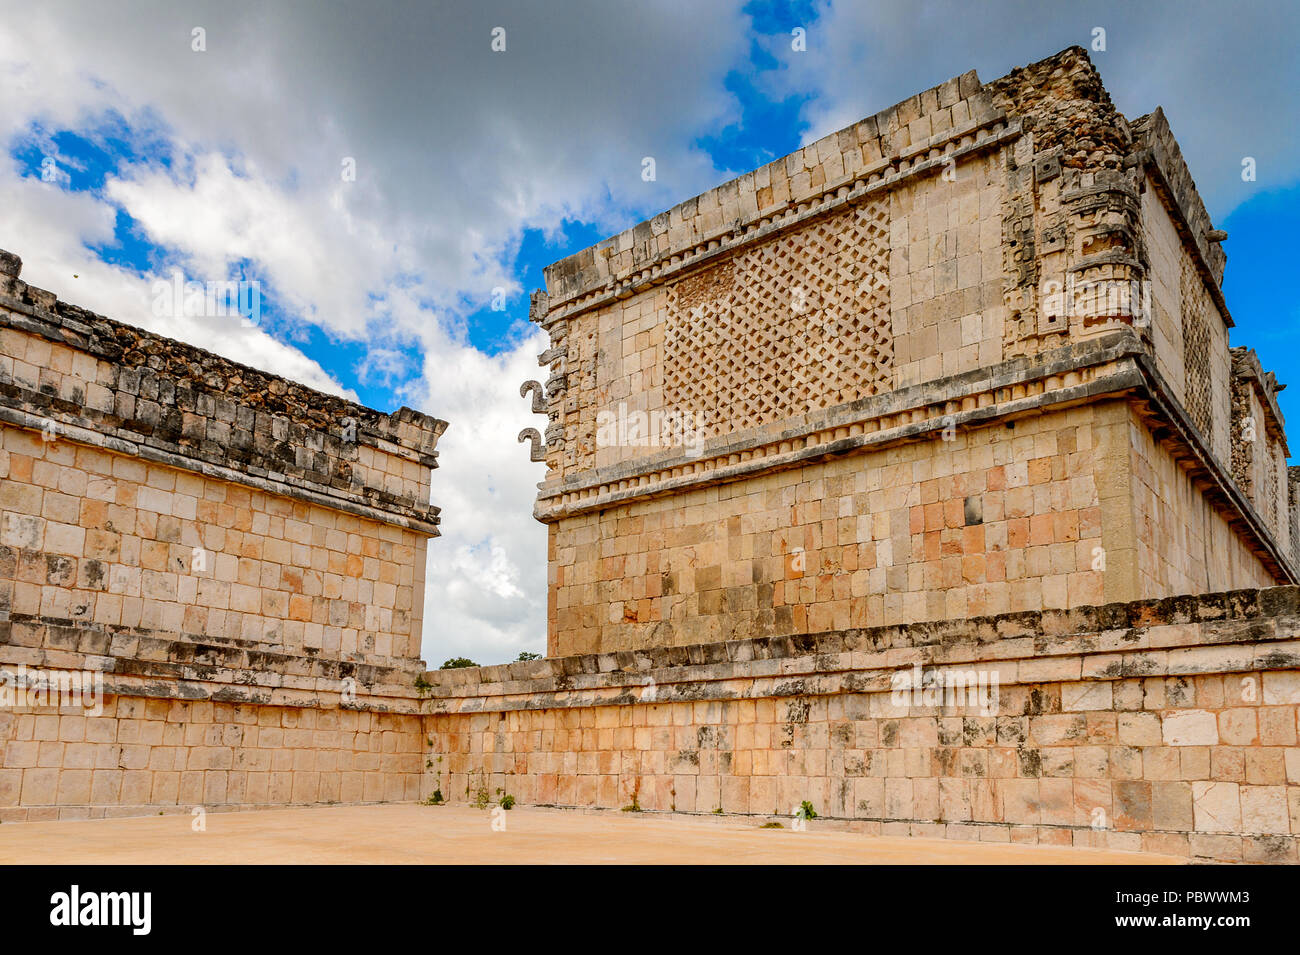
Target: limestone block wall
974, 501
228, 566
109, 540
998, 519
1166, 726
142, 756
1184, 545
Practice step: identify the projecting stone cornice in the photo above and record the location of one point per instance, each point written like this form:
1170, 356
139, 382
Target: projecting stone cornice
137, 661
1236, 632
1114, 365
1067, 376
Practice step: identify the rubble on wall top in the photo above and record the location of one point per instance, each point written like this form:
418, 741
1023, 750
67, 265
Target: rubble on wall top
1246, 364
1158, 143
129, 346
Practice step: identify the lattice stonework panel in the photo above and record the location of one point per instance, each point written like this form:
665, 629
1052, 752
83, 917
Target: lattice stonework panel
1268, 506
581, 395
1196, 348
798, 322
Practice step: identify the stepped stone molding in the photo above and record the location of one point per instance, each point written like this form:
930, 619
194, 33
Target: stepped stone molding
136, 393
1016, 386
1240, 631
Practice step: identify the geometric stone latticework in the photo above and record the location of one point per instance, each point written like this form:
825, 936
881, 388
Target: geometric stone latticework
1268, 506
796, 323
579, 404
1243, 443
1196, 347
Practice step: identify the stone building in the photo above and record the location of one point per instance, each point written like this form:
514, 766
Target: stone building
911, 475
949, 390
967, 356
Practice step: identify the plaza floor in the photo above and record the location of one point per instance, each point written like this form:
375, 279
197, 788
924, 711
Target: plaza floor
414, 834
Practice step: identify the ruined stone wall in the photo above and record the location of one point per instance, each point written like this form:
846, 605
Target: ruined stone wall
1260, 449
1166, 726
229, 564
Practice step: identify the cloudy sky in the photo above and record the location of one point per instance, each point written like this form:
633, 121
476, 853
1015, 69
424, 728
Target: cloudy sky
129, 154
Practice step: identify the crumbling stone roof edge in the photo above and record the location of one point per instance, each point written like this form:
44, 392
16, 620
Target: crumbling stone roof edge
1161, 152
125, 344
1246, 364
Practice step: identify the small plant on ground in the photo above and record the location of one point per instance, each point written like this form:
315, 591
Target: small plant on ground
718, 811
806, 810
771, 825
506, 801
434, 800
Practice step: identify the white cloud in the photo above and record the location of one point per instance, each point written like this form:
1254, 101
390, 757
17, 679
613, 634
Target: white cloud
1211, 66
52, 227
457, 151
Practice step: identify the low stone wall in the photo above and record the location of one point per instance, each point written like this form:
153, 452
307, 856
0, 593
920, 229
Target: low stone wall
163, 723
140, 756
1166, 726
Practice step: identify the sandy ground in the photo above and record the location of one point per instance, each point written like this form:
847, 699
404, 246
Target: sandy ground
460, 835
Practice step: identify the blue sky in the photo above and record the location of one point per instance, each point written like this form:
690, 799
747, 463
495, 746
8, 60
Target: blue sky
475, 169
1261, 251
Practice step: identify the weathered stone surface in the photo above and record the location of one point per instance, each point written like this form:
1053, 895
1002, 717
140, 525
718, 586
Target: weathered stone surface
1159, 747
967, 356
66, 370
912, 445
231, 564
